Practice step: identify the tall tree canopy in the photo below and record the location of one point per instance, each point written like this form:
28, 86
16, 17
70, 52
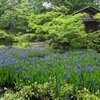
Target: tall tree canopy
14, 14
73, 5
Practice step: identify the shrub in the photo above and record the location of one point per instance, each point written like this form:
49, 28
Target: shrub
69, 41
78, 43
39, 37
2, 47
67, 31
59, 28
47, 91
93, 41
30, 38
24, 94
25, 38
5, 37
3, 34
85, 94
21, 45
9, 39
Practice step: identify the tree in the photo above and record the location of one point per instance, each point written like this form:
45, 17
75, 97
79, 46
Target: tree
38, 23
4, 5
73, 5
39, 6
15, 17
97, 16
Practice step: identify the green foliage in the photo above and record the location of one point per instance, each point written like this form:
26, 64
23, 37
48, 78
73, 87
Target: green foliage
9, 39
61, 9
46, 91
38, 6
3, 34
24, 38
97, 16
21, 45
2, 47
74, 5
52, 75
38, 23
22, 13
67, 25
24, 94
16, 13
57, 26
85, 94
49, 90
29, 38
5, 37
67, 30
93, 41
16, 17
39, 37
77, 42
23, 41
2, 6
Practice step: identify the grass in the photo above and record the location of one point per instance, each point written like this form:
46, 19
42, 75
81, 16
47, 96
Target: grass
27, 66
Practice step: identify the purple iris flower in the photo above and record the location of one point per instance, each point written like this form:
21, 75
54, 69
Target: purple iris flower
66, 53
96, 86
47, 58
80, 73
25, 68
45, 72
58, 85
31, 66
65, 73
38, 70
42, 59
1, 57
5, 64
90, 70
49, 63
76, 69
77, 86
26, 77
59, 61
68, 67
13, 61
1, 51
18, 71
49, 72
93, 80
68, 75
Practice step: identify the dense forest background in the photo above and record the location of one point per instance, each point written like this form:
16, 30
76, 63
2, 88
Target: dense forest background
14, 14
25, 21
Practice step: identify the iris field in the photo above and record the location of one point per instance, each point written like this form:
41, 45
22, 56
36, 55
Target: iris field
23, 67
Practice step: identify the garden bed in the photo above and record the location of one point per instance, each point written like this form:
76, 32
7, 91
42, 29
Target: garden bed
48, 75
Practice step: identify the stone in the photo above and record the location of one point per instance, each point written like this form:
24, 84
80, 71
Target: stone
1, 90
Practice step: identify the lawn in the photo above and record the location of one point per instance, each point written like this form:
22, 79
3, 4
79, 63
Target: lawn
73, 75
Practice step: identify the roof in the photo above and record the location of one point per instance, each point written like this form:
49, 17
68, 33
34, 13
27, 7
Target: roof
89, 9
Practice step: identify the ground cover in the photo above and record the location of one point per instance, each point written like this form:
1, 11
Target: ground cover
73, 75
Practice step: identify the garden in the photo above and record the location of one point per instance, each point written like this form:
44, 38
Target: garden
66, 68
40, 73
